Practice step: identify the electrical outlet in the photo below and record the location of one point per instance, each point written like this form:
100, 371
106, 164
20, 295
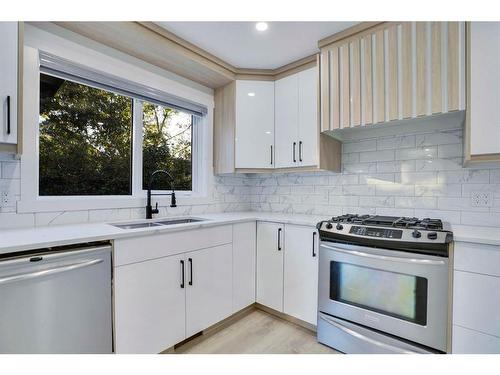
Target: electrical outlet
4, 198
481, 199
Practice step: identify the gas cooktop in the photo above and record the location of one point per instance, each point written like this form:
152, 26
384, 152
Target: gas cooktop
390, 232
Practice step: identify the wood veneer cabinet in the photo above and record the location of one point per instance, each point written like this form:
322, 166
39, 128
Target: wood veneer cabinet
392, 71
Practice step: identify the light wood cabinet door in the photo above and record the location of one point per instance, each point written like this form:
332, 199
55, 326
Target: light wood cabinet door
209, 287
8, 81
270, 248
149, 305
393, 71
244, 258
484, 91
301, 273
254, 133
308, 127
286, 92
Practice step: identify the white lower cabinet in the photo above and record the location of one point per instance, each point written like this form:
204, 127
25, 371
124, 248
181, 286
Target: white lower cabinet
209, 289
476, 297
244, 258
149, 305
287, 269
270, 246
300, 298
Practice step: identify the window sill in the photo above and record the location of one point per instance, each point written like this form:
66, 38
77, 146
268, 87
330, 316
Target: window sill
54, 204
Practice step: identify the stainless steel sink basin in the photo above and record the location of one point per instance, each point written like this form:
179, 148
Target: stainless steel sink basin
158, 223
135, 225
178, 221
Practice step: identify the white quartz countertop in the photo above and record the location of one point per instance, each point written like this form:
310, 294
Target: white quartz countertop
16, 240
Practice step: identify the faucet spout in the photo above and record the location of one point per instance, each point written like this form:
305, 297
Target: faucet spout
173, 202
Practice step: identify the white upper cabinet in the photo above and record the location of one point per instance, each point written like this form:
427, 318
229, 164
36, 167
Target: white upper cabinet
308, 126
8, 82
254, 133
286, 91
296, 120
483, 123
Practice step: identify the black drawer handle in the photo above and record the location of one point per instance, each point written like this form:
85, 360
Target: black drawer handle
8, 114
294, 146
271, 154
279, 239
190, 260
182, 274
314, 245
300, 151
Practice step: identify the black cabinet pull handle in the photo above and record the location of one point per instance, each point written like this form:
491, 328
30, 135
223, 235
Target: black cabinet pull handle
8, 114
314, 245
190, 260
279, 239
271, 154
182, 273
300, 150
294, 146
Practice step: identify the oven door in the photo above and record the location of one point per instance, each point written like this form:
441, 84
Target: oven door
400, 293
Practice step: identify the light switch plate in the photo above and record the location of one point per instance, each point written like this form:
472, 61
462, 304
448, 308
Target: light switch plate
481, 199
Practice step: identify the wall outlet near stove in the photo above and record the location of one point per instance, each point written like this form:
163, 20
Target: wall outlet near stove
481, 199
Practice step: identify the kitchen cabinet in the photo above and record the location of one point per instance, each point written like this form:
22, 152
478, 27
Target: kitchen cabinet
244, 258
209, 289
150, 308
476, 283
296, 123
482, 130
270, 245
254, 131
9, 41
392, 71
300, 291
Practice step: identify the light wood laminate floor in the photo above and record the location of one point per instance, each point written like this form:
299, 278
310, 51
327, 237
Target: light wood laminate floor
257, 333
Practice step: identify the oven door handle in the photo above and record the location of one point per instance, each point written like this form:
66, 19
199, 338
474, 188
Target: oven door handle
390, 258
369, 340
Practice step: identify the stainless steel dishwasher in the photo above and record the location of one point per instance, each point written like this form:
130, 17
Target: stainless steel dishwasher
57, 301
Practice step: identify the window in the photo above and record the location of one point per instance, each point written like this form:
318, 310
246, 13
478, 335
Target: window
93, 127
85, 140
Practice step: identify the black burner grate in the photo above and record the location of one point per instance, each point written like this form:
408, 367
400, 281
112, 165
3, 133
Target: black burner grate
390, 221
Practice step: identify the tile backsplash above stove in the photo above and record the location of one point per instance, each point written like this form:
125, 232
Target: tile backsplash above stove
418, 174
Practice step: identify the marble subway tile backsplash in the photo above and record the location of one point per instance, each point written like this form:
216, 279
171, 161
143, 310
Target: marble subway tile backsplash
417, 174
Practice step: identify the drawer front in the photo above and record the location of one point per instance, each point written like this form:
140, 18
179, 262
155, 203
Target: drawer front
475, 302
467, 341
139, 249
477, 258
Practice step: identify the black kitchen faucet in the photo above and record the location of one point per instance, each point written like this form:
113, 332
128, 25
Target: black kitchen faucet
149, 209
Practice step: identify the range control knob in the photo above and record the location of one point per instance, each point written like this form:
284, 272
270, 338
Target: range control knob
329, 226
339, 226
416, 234
432, 235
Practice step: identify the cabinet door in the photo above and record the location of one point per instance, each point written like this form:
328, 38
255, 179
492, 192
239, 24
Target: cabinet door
484, 89
286, 91
254, 140
301, 273
270, 248
308, 126
244, 256
8, 82
209, 287
468, 341
149, 305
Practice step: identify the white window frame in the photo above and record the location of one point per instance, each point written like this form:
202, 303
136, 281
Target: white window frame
35, 40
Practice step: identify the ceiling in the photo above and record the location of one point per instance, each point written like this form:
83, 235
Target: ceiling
241, 45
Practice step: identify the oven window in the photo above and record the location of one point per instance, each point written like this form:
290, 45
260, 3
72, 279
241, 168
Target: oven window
395, 294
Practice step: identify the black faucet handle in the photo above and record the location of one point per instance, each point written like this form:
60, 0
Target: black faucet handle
173, 201
155, 210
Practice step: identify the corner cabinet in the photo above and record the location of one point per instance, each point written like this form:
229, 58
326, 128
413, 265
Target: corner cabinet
9, 68
262, 126
482, 135
392, 71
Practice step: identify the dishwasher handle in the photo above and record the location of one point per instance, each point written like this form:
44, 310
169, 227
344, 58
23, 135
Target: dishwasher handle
48, 272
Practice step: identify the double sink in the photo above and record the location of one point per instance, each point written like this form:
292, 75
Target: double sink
158, 223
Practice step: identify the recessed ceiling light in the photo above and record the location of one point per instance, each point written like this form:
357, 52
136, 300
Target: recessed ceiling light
251, 94
261, 26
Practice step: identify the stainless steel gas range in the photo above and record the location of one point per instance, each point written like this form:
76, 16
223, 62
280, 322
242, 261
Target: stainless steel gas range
383, 284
